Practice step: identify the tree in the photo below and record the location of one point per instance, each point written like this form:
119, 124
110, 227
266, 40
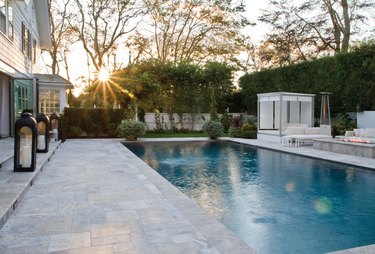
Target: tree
288, 41
313, 29
61, 34
101, 23
335, 20
217, 82
185, 30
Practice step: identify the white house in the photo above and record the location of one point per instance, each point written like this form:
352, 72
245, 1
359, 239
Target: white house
24, 32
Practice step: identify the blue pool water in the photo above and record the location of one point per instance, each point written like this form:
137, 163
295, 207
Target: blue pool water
276, 202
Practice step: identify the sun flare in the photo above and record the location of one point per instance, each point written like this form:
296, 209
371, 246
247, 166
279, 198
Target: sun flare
103, 75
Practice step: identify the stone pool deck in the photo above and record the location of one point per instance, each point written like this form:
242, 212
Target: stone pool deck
95, 196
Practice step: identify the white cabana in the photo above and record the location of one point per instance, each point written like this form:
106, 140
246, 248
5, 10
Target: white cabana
279, 110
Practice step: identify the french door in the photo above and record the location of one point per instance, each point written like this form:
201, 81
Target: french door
24, 97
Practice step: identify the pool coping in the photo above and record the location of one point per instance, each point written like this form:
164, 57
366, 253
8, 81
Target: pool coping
307, 151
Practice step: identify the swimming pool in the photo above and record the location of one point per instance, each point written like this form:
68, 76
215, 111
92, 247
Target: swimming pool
276, 202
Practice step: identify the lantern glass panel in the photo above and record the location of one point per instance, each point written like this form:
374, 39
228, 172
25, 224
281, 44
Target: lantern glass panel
26, 147
41, 135
54, 123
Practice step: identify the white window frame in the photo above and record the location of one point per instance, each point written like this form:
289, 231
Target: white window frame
49, 101
8, 20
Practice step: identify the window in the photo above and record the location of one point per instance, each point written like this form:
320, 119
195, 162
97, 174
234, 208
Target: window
6, 18
34, 51
26, 41
23, 38
3, 16
10, 23
49, 101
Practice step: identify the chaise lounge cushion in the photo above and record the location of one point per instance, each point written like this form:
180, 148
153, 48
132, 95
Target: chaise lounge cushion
312, 130
294, 130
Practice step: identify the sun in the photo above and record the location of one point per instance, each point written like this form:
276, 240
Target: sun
103, 75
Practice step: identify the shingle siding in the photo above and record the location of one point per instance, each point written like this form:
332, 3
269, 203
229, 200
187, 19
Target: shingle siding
11, 51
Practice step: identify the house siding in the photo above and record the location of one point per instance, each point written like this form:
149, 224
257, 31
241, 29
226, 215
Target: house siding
11, 51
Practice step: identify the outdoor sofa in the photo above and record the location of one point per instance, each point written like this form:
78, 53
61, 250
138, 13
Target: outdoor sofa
299, 135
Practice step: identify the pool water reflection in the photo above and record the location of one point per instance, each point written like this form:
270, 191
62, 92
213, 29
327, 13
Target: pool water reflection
276, 202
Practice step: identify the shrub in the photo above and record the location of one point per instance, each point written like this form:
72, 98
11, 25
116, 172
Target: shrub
131, 130
345, 123
246, 131
213, 129
226, 121
75, 132
93, 123
234, 132
238, 121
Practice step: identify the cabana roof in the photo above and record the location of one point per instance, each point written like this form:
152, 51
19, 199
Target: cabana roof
273, 95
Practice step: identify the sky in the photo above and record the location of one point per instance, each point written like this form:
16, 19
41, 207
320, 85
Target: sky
253, 11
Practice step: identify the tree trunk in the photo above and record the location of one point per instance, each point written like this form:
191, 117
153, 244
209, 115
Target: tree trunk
346, 28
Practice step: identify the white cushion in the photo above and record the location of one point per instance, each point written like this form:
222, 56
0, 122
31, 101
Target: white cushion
294, 130
312, 130
371, 132
364, 133
349, 133
357, 132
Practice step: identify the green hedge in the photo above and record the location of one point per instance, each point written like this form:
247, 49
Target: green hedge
91, 123
350, 77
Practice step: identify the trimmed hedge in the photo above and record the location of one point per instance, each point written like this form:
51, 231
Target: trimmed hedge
91, 123
350, 77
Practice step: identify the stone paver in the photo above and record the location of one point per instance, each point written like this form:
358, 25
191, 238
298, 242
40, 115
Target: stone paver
95, 196
6, 150
13, 186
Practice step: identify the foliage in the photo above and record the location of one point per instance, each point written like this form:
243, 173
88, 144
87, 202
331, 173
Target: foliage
171, 87
246, 131
311, 29
226, 121
344, 123
92, 123
189, 30
99, 24
61, 35
238, 121
217, 82
349, 76
213, 129
131, 130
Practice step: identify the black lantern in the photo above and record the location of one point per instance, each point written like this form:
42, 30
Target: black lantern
43, 133
54, 126
25, 143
